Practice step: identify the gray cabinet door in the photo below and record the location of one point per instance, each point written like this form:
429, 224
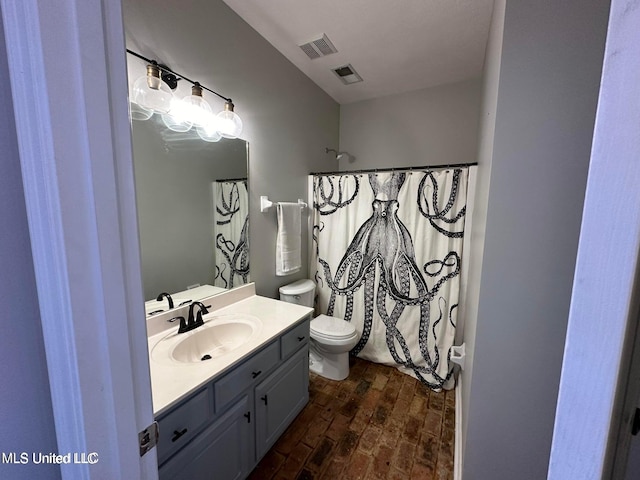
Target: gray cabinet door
279, 398
222, 452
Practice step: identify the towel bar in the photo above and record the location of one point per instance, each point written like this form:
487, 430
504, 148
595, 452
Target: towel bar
266, 204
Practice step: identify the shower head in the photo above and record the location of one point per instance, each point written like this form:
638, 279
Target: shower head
339, 155
327, 150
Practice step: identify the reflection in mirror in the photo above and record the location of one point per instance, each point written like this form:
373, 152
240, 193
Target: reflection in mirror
192, 201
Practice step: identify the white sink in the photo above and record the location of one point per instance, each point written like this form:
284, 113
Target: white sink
220, 335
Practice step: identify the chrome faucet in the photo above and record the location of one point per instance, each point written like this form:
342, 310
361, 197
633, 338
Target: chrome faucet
191, 322
165, 294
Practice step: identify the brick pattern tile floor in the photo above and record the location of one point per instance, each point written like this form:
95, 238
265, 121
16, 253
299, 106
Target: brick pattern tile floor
377, 424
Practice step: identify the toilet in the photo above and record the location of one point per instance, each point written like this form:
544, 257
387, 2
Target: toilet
331, 337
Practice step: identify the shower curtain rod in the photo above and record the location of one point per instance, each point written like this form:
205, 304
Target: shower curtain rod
232, 179
397, 169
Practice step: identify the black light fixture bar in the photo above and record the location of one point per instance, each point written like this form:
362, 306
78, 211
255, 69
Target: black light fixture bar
167, 69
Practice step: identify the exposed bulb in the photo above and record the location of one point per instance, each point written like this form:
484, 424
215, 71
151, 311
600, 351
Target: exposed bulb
196, 108
151, 93
175, 124
177, 119
209, 134
229, 123
139, 112
209, 131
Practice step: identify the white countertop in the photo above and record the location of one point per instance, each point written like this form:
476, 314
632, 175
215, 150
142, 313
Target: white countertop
172, 381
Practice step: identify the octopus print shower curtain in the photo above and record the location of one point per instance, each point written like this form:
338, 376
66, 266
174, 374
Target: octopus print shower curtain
231, 236
386, 256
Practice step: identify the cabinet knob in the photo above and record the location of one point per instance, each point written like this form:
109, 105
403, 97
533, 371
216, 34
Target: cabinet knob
248, 416
177, 434
264, 399
301, 338
255, 374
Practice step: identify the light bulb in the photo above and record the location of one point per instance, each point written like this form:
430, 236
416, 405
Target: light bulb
229, 123
196, 108
209, 131
139, 112
178, 117
174, 124
151, 92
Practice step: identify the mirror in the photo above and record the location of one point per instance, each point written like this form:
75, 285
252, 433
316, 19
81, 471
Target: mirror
192, 202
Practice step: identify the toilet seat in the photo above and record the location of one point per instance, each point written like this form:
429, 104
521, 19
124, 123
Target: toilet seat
332, 328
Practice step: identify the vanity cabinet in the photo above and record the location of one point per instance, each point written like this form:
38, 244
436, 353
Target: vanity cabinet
225, 428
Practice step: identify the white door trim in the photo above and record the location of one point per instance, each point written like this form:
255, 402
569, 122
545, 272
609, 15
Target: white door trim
604, 303
69, 87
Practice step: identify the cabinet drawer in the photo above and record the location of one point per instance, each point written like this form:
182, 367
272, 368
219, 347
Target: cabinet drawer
180, 425
235, 382
295, 338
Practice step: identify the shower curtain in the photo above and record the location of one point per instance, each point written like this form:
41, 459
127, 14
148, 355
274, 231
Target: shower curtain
231, 235
386, 254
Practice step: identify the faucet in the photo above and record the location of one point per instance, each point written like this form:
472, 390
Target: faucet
191, 323
165, 294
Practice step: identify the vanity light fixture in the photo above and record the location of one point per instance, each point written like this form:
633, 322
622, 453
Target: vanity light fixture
151, 94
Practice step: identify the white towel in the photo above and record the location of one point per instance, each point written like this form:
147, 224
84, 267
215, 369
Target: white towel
289, 239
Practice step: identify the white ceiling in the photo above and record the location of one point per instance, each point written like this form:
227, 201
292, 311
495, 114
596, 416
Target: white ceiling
395, 45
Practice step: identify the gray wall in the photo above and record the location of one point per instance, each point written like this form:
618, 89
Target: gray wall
174, 175
288, 120
433, 126
26, 414
548, 88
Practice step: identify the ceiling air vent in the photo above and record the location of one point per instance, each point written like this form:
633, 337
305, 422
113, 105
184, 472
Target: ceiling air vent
318, 48
347, 74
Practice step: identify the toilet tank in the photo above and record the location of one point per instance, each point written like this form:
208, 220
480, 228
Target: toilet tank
300, 292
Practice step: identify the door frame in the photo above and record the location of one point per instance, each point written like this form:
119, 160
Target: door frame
592, 426
69, 87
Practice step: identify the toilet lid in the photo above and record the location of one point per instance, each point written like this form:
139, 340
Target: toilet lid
332, 327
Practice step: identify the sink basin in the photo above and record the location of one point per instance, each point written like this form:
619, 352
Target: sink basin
220, 335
